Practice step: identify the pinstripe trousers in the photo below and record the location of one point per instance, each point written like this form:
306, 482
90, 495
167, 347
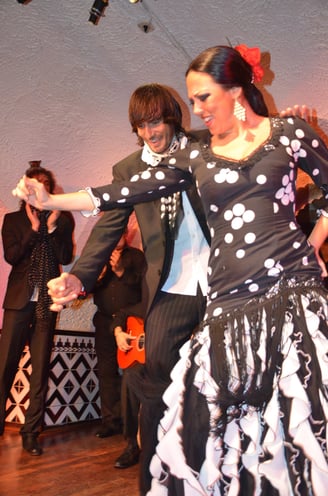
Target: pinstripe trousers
168, 326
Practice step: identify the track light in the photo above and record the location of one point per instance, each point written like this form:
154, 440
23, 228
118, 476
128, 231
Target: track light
146, 26
97, 11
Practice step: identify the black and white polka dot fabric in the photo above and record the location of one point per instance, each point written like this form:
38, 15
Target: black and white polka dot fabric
249, 207
256, 370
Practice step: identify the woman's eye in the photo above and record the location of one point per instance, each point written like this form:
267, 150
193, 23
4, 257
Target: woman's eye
204, 97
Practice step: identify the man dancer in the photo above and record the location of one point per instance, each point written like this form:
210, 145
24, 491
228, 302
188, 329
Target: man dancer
175, 242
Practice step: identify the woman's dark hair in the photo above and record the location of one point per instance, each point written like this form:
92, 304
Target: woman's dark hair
35, 170
151, 102
228, 68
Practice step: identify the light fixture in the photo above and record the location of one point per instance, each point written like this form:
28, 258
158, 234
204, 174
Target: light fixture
146, 26
24, 2
97, 10
134, 1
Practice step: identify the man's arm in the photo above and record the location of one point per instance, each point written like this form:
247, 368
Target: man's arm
95, 254
98, 248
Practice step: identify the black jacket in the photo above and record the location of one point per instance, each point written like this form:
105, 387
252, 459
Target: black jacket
18, 241
157, 242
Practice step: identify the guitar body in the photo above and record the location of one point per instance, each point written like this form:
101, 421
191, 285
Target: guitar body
135, 327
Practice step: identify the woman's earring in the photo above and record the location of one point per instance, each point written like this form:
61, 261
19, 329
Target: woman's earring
239, 111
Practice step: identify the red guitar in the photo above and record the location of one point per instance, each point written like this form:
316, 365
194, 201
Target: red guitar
135, 327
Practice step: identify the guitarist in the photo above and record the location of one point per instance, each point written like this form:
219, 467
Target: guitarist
118, 287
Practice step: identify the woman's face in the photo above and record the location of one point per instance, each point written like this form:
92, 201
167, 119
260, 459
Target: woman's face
43, 178
211, 102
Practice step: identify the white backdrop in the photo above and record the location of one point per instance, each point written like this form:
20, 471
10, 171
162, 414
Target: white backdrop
65, 83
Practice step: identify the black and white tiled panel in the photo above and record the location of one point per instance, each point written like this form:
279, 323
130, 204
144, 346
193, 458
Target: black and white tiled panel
73, 394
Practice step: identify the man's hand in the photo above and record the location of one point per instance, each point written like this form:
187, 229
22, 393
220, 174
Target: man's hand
116, 262
296, 111
123, 339
63, 290
302, 111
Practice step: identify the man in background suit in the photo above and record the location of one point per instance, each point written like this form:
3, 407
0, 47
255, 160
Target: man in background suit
35, 244
118, 288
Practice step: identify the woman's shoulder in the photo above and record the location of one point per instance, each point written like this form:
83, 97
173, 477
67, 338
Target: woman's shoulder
293, 124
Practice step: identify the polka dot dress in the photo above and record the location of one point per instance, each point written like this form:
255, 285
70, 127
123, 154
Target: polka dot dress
247, 409
250, 211
249, 207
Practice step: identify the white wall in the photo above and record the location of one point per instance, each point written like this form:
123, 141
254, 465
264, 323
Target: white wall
65, 84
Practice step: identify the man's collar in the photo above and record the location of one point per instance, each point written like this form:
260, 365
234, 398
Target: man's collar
153, 159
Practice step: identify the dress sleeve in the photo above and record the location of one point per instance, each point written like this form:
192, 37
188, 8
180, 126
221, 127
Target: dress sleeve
148, 185
311, 155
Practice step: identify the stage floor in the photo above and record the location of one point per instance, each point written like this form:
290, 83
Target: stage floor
74, 463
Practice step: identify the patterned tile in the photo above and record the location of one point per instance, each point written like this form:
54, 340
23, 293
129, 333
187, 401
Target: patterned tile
73, 393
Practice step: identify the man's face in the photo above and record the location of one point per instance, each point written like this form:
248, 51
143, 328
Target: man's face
156, 134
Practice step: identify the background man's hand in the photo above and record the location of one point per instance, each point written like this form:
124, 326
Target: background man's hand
123, 340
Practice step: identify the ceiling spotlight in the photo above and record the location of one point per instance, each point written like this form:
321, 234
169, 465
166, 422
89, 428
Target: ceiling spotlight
97, 11
146, 26
134, 1
24, 2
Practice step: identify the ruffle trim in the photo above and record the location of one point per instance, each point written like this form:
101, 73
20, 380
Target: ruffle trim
96, 201
271, 431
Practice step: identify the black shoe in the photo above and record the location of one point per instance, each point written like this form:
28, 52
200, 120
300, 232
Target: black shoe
129, 457
109, 430
31, 445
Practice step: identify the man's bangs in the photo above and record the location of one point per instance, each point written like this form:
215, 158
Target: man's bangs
149, 114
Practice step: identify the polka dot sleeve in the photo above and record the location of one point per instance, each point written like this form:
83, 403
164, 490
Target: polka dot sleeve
148, 185
310, 153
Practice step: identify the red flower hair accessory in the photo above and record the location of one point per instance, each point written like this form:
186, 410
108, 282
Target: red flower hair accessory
253, 57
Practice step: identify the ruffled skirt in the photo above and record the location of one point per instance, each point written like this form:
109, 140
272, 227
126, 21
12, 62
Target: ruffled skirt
247, 408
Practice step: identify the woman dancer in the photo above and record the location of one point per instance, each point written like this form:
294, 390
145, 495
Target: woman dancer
247, 407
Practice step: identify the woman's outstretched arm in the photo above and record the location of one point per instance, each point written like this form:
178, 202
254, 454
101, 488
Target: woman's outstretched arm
163, 180
34, 193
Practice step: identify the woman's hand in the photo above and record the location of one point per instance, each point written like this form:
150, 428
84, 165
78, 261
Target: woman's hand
33, 217
52, 220
317, 238
33, 192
